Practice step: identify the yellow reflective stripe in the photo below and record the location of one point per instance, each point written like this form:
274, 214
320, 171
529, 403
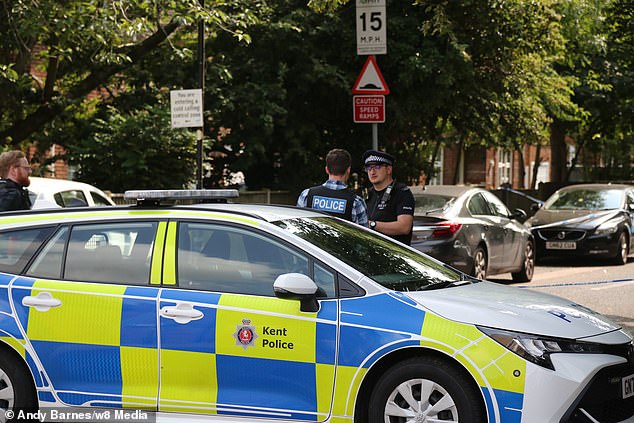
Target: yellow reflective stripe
188, 382
488, 362
139, 373
157, 254
325, 383
68, 323
169, 264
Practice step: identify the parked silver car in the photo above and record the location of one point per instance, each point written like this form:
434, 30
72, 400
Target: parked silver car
472, 230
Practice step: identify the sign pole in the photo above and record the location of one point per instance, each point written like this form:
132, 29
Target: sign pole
375, 136
200, 133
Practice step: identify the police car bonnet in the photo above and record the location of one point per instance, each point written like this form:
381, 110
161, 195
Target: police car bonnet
379, 157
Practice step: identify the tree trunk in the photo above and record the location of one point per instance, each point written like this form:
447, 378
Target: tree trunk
520, 155
538, 162
558, 168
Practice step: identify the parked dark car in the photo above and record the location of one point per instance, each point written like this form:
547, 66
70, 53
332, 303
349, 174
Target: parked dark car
588, 220
472, 230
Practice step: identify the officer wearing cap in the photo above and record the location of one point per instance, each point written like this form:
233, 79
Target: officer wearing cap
333, 196
390, 203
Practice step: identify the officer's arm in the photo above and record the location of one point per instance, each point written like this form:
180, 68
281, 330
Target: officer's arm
402, 225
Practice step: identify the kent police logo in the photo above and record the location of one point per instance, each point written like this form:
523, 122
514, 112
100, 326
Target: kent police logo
245, 334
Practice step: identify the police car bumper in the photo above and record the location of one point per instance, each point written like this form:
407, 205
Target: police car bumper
584, 388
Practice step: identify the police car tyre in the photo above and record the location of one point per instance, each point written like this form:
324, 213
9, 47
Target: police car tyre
16, 391
425, 389
622, 250
525, 274
479, 263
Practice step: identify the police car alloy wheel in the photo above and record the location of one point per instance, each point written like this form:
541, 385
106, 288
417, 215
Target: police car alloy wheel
425, 390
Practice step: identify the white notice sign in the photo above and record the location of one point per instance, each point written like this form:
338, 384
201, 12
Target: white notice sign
187, 108
371, 27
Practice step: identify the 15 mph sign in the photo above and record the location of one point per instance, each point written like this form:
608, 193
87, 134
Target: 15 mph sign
371, 24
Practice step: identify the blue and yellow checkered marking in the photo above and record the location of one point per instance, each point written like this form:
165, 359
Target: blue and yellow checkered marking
100, 344
114, 352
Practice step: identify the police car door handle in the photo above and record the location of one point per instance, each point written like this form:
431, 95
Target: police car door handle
182, 313
43, 301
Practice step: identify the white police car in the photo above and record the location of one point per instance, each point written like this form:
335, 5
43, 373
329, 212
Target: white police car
243, 313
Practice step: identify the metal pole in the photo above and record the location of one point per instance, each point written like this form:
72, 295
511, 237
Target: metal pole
200, 133
375, 136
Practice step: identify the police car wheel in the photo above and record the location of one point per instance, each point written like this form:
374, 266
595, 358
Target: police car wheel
16, 389
425, 389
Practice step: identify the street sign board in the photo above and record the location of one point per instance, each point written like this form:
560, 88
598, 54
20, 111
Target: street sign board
370, 80
368, 108
187, 108
371, 27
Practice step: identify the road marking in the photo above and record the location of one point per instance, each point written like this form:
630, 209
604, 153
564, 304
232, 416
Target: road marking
578, 283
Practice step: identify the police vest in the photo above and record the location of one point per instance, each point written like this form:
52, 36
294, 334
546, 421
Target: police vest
337, 202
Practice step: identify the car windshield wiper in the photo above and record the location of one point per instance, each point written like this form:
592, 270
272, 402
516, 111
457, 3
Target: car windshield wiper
445, 284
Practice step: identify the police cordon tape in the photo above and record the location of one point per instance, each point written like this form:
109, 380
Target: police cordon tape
577, 283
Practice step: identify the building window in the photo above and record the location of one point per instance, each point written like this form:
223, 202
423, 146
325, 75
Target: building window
504, 167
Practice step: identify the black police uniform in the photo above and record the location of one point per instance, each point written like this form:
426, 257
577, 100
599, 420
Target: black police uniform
336, 202
386, 207
388, 204
13, 196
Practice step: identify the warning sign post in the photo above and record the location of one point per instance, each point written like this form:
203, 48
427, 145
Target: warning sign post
369, 108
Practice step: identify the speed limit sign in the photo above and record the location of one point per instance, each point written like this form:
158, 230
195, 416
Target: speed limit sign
371, 24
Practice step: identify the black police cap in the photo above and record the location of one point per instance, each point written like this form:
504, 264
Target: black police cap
377, 157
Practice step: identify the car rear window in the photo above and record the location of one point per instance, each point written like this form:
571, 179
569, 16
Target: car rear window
18, 246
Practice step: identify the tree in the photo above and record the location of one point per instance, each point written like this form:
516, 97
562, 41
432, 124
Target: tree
81, 46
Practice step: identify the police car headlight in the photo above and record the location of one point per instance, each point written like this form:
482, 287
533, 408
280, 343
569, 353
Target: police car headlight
537, 349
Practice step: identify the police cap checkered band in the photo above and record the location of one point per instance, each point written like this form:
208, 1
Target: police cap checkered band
373, 156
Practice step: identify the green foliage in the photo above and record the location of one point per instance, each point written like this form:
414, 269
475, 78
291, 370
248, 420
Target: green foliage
134, 150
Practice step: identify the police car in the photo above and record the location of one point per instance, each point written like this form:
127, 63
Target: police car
247, 313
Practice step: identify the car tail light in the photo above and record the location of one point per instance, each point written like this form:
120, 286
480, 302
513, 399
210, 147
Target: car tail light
446, 229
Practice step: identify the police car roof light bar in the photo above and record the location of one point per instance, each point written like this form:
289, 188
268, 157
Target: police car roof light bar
154, 197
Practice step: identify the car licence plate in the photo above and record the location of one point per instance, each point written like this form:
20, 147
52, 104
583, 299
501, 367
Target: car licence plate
559, 245
628, 386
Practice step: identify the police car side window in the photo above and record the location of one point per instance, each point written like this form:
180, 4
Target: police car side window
18, 246
48, 263
110, 252
229, 259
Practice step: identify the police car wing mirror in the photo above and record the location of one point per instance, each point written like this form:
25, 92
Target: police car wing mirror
296, 286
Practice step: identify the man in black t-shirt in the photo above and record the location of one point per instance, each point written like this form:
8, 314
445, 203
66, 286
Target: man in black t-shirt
390, 203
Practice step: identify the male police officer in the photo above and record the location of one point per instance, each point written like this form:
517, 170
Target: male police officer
390, 203
15, 171
333, 196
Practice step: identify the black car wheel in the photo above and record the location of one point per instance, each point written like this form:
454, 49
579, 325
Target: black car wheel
425, 390
525, 274
622, 250
16, 391
479, 263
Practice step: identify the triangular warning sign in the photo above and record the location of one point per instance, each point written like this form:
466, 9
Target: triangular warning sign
370, 80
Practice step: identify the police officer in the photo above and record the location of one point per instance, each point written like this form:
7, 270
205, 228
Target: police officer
390, 203
333, 196
15, 171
